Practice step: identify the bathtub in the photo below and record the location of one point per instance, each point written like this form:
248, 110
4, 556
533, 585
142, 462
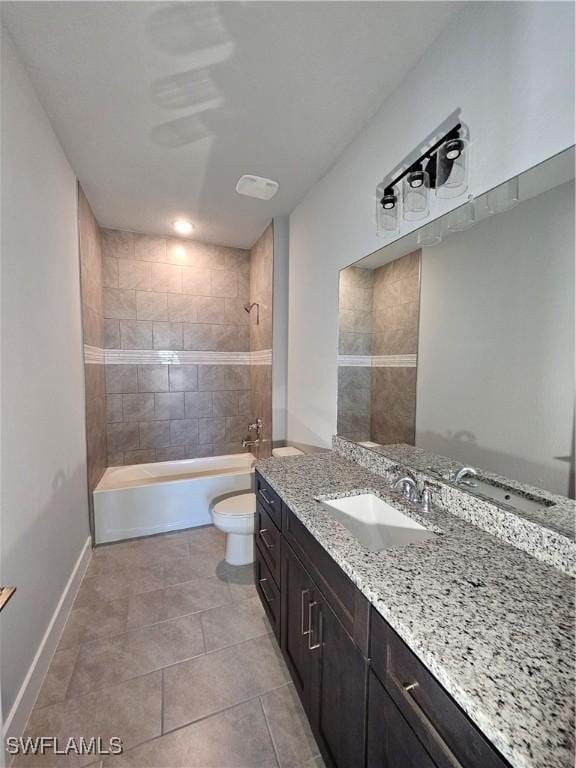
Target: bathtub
144, 499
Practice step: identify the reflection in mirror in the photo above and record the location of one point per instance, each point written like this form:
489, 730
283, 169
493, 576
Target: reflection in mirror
465, 348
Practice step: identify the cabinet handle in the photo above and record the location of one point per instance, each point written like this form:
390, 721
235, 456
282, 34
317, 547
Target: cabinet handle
269, 598
303, 594
311, 647
262, 533
264, 495
406, 690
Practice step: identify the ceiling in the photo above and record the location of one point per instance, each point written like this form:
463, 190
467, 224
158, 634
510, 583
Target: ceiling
161, 107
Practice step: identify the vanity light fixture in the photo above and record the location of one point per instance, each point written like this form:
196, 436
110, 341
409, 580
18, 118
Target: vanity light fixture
442, 167
183, 226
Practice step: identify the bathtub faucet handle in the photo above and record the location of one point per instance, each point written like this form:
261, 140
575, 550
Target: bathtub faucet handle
256, 427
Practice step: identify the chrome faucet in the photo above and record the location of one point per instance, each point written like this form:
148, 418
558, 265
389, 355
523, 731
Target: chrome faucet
411, 492
255, 427
464, 472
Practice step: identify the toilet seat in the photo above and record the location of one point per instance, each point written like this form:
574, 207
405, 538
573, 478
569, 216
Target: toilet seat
243, 505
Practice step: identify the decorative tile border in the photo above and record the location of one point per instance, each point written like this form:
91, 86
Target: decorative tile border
95, 355
378, 361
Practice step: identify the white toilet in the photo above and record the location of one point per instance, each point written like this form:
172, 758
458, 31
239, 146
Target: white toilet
235, 516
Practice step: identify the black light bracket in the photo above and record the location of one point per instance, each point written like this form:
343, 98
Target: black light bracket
427, 161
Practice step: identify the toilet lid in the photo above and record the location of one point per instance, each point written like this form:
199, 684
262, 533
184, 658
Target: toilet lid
243, 505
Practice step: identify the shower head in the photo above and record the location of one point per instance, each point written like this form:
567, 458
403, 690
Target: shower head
248, 307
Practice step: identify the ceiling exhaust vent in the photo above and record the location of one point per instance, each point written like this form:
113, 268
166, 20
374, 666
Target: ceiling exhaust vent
256, 186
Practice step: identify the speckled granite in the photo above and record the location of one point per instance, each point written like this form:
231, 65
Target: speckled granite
494, 625
553, 544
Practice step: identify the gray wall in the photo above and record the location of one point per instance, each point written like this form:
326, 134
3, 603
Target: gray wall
496, 359
170, 294
44, 505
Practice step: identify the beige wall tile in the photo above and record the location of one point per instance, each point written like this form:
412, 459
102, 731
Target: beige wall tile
183, 378
138, 407
134, 274
231, 338
196, 281
111, 334
169, 405
149, 248
184, 432
110, 272
174, 453
236, 314
121, 379
181, 308
167, 335
122, 437
211, 430
225, 403
139, 457
155, 434
166, 278
210, 309
117, 244
151, 306
135, 334
198, 404
119, 304
153, 378
224, 283
114, 408
238, 260
199, 337
217, 377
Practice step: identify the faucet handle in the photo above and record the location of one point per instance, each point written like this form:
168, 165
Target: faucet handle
426, 499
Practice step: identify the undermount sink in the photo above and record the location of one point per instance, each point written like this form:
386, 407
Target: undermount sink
375, 523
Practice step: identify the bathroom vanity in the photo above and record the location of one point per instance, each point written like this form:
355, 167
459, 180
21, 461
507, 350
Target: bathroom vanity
455, 651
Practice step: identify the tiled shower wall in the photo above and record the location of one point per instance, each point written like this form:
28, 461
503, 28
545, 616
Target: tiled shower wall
261, 282
93, 333
355, 338
170, 294
379, 322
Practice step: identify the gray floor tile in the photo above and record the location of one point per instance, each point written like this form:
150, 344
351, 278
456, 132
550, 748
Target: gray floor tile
201, 564
99, 620
130, 711
119, 581
234, 623
179, 600
222, 679
237, 738
154, 550
138, 652
289, 728
58, 677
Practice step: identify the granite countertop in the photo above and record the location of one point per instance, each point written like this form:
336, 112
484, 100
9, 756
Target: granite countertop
493, 624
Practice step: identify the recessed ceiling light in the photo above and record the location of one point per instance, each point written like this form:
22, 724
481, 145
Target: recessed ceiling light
256, 186
183, 226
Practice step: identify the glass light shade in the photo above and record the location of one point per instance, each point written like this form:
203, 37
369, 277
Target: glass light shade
431, 234
387, 211
504, 197
452, 163
462, 218
416, 199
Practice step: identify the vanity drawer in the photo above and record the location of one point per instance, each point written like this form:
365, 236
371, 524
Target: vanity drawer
268, 591
270, 500
345, 599
268, 540
442, 727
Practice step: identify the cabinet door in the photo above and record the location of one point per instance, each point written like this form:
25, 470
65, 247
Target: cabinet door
338, 698
391, 741
297, 590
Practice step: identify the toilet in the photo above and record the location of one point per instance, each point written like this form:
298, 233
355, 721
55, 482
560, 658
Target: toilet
236, 516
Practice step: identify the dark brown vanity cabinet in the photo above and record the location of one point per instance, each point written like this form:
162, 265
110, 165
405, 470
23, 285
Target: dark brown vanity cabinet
370, 702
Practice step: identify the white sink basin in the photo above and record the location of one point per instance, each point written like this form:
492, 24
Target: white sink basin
375, 523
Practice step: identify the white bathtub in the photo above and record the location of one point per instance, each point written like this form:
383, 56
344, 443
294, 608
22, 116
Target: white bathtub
143, 499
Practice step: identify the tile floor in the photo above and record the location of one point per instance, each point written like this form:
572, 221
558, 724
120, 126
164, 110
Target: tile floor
170, 650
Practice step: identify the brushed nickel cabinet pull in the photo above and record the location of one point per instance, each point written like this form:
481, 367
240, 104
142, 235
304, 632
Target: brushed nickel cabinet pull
311, 647
262, 533
269, 598
303, 594
264, 495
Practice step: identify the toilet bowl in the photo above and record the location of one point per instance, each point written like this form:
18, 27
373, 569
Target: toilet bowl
236, 517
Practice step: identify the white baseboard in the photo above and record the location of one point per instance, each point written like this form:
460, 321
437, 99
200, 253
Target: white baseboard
18, 717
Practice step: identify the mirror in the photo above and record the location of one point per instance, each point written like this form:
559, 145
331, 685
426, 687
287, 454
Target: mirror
458, 338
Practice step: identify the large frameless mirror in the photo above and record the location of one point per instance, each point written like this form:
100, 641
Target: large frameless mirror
458, 339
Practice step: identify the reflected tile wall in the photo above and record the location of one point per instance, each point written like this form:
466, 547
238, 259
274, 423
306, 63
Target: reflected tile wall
396, 305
